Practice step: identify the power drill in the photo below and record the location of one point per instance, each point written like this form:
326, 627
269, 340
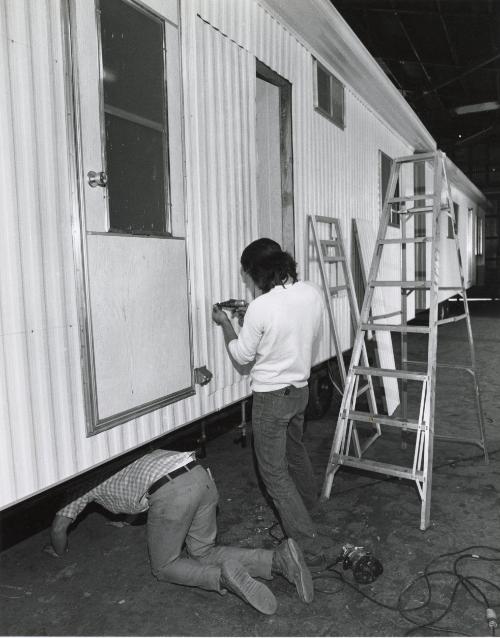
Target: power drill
365, 567
233, 304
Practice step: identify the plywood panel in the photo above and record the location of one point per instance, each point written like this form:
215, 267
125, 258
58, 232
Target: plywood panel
366, 235
138, 294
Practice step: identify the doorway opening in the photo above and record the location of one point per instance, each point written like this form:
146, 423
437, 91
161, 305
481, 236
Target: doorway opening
274, 157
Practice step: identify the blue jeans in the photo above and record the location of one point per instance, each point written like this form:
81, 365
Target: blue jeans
284, 465
184, 510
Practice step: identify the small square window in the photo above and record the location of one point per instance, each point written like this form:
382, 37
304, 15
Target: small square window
328, 95
385, 173
479, 235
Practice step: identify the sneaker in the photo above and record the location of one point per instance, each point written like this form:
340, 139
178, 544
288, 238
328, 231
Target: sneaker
234, 578
289, 561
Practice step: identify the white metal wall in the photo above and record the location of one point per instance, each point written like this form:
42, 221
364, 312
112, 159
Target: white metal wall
42, 439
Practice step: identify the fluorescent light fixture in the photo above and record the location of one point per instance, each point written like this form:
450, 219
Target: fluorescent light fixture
476, 108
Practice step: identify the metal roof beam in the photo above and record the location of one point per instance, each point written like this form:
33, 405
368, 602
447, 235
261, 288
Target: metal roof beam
453, 51
417, 56
418, 12
468, 71
428, 63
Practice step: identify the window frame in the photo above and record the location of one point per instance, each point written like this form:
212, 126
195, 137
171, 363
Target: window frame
394, 219
479, 243
453, 220
106, 109
331, 116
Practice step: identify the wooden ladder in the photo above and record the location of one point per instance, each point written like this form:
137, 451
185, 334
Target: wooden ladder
436, 203
331, 251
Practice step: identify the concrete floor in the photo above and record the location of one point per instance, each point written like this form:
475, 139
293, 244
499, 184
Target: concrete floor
103, 585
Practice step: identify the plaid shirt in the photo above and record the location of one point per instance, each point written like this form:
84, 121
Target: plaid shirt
125, 492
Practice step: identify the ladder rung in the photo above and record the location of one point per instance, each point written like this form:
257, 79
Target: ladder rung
394, 327
331, 259
389, 372
376, 466
336, 289
424, 209
408, 424
410, 198
408, 240
403, 284
419, 157
413, 211
328, 242
451, 366
457, 288
325, 220
452, 319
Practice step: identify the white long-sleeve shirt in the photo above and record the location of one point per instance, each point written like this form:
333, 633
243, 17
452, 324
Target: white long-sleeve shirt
280, 331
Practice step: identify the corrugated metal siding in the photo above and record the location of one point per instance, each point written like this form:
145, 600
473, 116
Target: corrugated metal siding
335, 173
43, 429
36, 320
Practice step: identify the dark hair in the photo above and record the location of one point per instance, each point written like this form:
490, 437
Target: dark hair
267, 264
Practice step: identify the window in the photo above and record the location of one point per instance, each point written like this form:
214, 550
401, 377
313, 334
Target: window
450, 221
385, 164
135, 115
479, 235
328, 95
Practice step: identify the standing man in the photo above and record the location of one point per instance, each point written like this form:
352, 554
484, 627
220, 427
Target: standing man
279, 334
181, 499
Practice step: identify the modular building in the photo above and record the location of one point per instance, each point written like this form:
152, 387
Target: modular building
144, 144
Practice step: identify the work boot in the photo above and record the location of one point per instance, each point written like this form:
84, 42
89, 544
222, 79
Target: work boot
234, 578
288, 561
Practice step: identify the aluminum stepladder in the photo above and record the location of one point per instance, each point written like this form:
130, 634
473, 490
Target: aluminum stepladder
423, 426
323, 249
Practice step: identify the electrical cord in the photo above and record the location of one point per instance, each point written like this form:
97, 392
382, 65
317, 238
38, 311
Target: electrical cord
461, 581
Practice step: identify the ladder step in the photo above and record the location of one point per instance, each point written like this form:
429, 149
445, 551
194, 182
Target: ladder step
325, 220
331, 259
376, 466
419, 157
425, 209
389, 372
410, 198
328, 242
408, 240
408, 424
413, 211
395, 328
403, 284
334, 290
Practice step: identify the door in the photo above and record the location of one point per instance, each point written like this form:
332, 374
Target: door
274, 158
135, 315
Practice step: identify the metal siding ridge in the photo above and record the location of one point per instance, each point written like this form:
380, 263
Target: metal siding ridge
8, 249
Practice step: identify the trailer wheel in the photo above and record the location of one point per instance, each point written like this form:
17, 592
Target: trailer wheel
320, 395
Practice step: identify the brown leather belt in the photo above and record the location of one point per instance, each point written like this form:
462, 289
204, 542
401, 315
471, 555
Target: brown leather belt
170, 477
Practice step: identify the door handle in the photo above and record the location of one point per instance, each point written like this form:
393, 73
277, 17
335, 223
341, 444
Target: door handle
97, 179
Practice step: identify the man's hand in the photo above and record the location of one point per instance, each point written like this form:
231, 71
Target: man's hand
59, 533
240, 313
218, 315
221, 319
